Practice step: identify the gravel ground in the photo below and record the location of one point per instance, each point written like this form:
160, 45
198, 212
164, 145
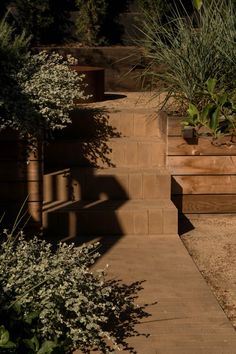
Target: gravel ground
212, 245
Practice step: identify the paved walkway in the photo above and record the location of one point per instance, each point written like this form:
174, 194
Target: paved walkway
187, 318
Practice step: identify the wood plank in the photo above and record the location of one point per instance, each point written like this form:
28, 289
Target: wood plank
203, 184
199, 165
177, 146
205, 204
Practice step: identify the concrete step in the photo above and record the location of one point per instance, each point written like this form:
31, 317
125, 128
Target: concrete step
111, 183
92, 122
110, 218
116, 152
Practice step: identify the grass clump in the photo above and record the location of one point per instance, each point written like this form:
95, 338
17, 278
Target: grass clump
191, 49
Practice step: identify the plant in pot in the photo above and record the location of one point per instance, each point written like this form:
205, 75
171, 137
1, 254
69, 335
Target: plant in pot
38, 92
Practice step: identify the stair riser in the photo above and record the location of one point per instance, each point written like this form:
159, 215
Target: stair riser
91, 123
66, 186
115, 153
111, 222
136, 125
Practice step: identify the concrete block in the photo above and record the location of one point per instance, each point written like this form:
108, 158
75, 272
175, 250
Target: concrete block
135, 186
141, 223
155, 222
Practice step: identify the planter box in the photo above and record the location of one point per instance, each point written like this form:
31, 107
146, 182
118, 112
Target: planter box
94, 80
203, 175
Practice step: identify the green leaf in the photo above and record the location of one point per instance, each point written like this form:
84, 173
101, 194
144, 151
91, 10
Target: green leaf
30, 317
223, 99
193, 112
4, 335
206, 112
32, 343
4, 339
17, 307
214, 119
211, 84
8, 345
47, 347
197, 4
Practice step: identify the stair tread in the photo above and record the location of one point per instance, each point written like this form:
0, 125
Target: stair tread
96, 205
139, 139
118, 109
106, 171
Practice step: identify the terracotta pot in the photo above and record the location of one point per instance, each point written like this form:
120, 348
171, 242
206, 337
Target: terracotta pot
95, 81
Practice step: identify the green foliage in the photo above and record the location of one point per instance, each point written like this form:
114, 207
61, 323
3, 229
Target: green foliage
5, 342
91, 15
192, 49
112, 30
45, 20
164, 10
38, 97
13, 49
37, 91
198, 4
97, 21
216, 117
50, 88
51, 301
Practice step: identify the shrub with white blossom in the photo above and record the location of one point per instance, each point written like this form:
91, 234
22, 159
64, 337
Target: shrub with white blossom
41, 94
37, 90
51, 301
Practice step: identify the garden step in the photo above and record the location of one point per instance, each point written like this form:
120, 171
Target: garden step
92, 122
110, 218
111, 183
116, 152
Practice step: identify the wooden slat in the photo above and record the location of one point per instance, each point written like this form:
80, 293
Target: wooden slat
203, 175
203, 184
190, 165
197, 204
177, 146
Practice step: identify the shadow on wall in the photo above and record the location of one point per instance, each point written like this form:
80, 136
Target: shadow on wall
184, 224
84, 143
81, 203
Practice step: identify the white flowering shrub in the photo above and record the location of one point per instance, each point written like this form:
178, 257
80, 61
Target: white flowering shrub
37, 91
51, 302
40, 95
